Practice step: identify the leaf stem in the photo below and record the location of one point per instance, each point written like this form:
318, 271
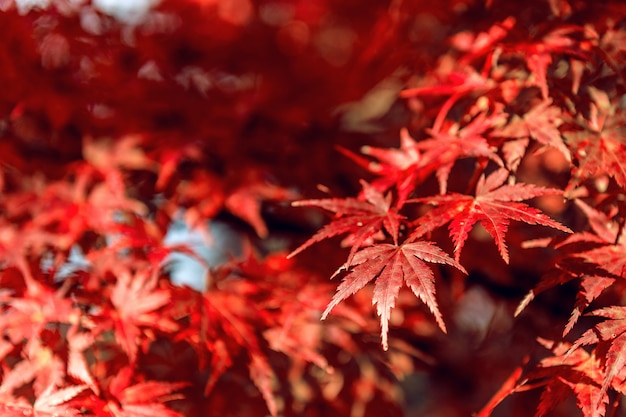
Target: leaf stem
508, 387
445, 109
481, 164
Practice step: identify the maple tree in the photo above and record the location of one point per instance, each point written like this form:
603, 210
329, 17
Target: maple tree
472, 150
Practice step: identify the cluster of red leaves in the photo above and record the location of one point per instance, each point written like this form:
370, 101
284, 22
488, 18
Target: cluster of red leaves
109, 335
519, 113
518, 91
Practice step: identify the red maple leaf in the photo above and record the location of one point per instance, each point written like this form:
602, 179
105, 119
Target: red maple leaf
493, 206
362, 219
136, 302
227, 311
231, 322
610, 337
459, 83
69, 210
599, 148
610, 239
77, 366
15, 247
225, 326
391, 266
123, 398
540, 123
607, 253
170, 160
598, 258
570, 370
50, 403
40, 366
39, 306
446, 147
401, 167
108, 156
592, 283
478, 45
245, 196
540, 55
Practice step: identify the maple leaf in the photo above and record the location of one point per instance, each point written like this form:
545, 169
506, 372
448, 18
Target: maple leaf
145, 237
15, 247
244, 198
598, 259
514, 151
86, 205
40, 365
479, 45
391, 266
136, 302
108, 155
141, 399
599, 148
299, 331
603, 263
591, 286
170, 159
396, 167
445, 148
593, 281
610, 335
539, 55
570, 370
493, 206
202, 195
40, 305
236, 325
459, 83
226, 327
540, 123
171, 72
50, 403
77, 366
610, 255
362, 219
